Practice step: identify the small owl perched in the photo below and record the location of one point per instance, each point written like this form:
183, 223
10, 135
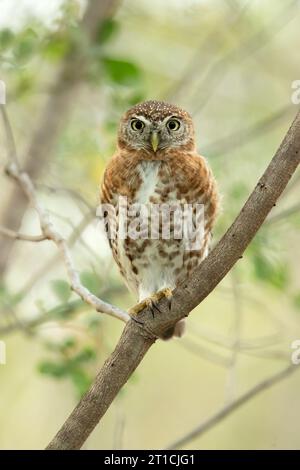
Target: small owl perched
156, 163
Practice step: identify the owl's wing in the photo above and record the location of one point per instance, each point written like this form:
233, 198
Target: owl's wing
107, 210
116, 183
195, 181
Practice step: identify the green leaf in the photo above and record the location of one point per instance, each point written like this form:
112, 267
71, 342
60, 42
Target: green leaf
81, 380
53, 368
26, 46
90, 280
107, 30
56, 48
274, 273
66, 309
86, 355
6, 38
136, 98
61, 289
121, 71
93, 320
68, 343
24, 84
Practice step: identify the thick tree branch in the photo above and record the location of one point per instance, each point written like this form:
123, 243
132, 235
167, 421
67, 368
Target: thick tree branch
138, 337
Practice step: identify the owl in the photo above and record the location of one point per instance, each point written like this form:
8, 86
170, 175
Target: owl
156, 168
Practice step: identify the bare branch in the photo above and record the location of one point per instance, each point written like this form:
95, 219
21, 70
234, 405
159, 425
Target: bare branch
24, 182
204, 352
283, 215
49, 231
234, 140
20, 236
74, 236
226, 410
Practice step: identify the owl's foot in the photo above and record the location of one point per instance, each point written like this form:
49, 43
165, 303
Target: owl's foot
152, 302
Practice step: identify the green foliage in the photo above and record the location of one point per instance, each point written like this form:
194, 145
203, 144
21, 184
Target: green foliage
121, 72
61, 289
267, 263
25, 83
107, 30
90, 280
53, 368
93, 320
26, 45
7, 298
6, 38
275, 273
56, 47
69, 364
81, 380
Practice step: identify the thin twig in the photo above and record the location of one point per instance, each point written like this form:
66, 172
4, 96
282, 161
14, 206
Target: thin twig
48, 230
228, 409
21, 236
283, 215
71, 240
204, 352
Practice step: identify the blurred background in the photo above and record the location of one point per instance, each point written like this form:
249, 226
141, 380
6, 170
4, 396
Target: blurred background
71, 69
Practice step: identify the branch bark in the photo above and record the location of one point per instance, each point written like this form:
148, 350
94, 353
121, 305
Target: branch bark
52, 118
139, 334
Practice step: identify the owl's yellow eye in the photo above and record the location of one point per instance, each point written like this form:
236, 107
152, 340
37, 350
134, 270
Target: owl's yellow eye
173, 125
137, 125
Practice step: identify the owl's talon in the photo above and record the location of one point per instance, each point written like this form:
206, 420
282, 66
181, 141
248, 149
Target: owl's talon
155, 306
168, 293
152, 302
136, 320
138, 308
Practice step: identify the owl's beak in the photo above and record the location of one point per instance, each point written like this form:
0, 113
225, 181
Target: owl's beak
154, 140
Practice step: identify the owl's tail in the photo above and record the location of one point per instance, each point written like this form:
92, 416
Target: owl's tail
177, 330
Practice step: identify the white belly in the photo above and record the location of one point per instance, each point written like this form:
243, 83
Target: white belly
154, 272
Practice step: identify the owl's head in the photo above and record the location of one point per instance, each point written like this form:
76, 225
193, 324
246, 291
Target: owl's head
154, 126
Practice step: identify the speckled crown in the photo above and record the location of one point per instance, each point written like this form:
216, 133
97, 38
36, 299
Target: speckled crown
156, 110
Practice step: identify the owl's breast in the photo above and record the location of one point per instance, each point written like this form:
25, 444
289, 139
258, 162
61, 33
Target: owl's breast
156, 183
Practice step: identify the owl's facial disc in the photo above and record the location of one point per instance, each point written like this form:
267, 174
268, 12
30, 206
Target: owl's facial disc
156, 126
157, 135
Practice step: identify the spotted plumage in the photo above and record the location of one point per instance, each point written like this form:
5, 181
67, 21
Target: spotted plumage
156, 163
